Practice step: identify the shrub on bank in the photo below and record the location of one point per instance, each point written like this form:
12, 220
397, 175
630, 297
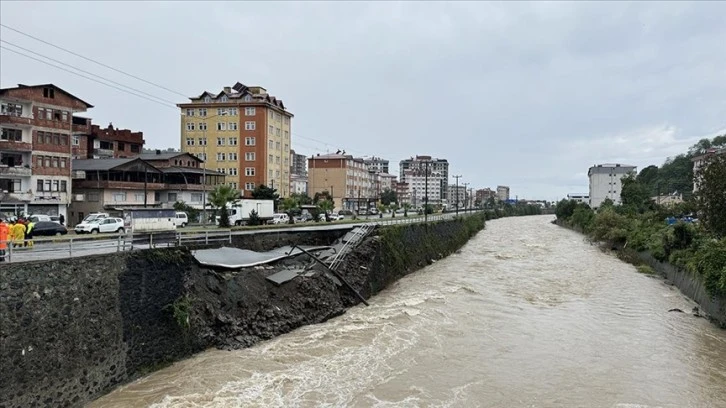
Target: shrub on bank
684, 245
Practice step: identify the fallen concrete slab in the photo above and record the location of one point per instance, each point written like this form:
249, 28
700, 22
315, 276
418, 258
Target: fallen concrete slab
235, 258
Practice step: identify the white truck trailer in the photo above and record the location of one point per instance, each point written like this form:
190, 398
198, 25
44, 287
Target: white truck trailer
150, 220
239, 211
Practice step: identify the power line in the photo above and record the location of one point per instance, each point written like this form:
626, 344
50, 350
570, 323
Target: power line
87, 72
89, 78
92, 60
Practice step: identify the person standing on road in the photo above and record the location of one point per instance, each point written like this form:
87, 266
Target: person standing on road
29, 234
18, 233
4, 235
62, 220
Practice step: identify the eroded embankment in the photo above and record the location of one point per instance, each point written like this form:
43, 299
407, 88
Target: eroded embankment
71, 330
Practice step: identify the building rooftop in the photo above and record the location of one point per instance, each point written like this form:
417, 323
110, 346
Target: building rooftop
20, 86
99, 164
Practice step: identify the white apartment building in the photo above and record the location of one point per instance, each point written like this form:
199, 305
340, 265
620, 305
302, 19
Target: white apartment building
579, 197
503, 193
417, 187
605, 182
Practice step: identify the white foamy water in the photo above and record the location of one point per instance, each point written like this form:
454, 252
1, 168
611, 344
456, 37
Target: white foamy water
527, 315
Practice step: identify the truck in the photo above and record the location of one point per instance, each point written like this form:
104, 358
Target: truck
239, 210
149, 219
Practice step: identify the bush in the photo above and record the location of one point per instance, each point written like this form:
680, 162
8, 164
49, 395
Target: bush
710, 262
254, 218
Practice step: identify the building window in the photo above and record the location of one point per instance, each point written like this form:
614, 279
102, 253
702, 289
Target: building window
12, 109
202, 112
55, 162
94, 197
277, 159
287, 135
232, 156
47, 161
55, 185
277, 145
190, 125
39, 186
119, 196
232, 171
207, 99
202, 156
224, 98
11, 135
221, 111
270, 144
121, 147
249, 111
277, 173
250, 141
48, 93
270, 159
271, 130
221, 126
233, 141
190, 112
232, 125
63, 163
220, 141
287, 120
250, 125
249, 171
190, 141
139, 197
287, 148
233, 185
135, 148
269, 173
196, 198
76, 141
232, 112
171, 198
65, 116
202, 125
278, 132
221, 170
48, 114
249, 186
248, 98
220, 156
250, 156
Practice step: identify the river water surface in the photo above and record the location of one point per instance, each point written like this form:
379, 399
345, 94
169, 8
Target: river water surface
527, 315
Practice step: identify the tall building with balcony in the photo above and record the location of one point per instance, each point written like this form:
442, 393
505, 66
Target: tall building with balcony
425, 188
434, 165
502, 193
346, 178
243, 132
36, 148
376, 164
298, 164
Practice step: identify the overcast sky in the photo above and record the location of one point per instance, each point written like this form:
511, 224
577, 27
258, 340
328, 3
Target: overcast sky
522, 94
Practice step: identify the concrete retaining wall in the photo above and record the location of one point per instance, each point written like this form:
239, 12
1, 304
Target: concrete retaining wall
71, 330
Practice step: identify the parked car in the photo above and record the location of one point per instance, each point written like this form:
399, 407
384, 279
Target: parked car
280, 218
48, 228
345, 212
101, 225
55, 218
181, 219
40, 218
337, 216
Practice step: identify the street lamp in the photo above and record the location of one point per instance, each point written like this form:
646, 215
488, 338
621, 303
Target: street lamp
466, 201
204, 163
457, 194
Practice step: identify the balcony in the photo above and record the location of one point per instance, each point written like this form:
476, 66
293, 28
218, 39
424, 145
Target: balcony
20, 121
118, 185
16, 146
103, 152
17, 171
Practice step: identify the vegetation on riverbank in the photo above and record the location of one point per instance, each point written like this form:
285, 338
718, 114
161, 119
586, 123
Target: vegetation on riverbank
639, 224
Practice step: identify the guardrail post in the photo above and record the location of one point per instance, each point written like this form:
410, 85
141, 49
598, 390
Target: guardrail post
151, 240
230, 237
178, 239
9, 243
118, 243
206, 237
70, 247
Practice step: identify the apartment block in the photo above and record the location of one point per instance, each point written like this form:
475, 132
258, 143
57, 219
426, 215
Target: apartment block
579, 197
298, 164
299, 184
457, 195
346, 178
243, 132
605, 182
387, 181
36, 133
376, 164
434, 165
425, 188
502, 193
484, 194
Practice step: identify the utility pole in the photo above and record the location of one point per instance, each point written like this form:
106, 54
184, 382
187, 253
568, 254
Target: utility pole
457, 193
466, 202
426, 192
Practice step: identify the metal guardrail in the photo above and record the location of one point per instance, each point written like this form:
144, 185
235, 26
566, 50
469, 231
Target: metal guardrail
58, 248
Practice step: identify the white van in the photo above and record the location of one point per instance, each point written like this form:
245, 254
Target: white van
181, 219
280, 218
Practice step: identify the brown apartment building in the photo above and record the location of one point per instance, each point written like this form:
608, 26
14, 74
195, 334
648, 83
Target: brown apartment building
36, 128
243, 132
351, 185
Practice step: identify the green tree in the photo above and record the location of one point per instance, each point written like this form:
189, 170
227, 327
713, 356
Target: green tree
301, 199
262, 192
325, 206
388, 196
322, 196
712, 194
222, 195
288, 205
406, 207
254, 218
634, 195
565, 208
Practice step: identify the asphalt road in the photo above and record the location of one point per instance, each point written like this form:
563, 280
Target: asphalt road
75, 246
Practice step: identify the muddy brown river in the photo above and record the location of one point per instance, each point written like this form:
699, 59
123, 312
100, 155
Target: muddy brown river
527, 315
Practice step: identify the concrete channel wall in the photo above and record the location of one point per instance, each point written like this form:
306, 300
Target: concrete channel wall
73, 329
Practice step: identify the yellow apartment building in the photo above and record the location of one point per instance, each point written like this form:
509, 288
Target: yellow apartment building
243, 132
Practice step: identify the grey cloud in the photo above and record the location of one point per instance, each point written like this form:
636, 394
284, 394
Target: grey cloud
527, 94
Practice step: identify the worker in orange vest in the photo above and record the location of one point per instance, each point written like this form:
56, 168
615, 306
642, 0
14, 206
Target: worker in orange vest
4, 235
